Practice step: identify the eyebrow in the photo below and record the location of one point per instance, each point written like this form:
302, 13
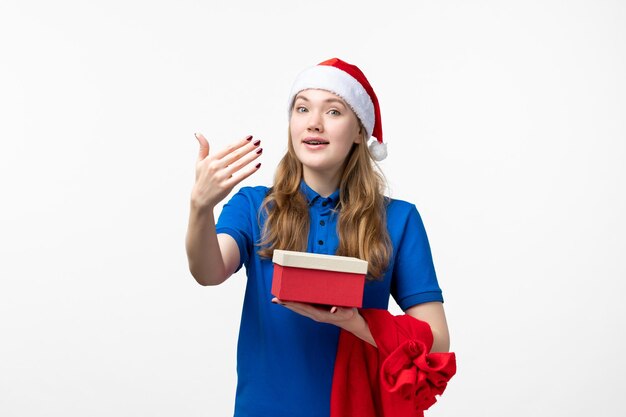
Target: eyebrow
328, 100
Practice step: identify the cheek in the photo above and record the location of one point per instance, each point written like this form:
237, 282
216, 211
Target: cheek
349, 130
351, 134
295, 126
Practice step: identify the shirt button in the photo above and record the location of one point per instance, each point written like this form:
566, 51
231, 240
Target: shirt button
322, 222
321, 242
324, 203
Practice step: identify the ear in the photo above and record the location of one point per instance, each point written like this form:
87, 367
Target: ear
359, 134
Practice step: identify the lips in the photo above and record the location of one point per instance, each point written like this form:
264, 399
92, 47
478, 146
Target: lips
315, 141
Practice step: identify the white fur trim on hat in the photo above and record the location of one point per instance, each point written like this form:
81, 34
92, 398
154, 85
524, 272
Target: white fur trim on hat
339, 82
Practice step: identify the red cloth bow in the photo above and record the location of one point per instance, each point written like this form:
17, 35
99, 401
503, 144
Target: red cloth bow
399, 378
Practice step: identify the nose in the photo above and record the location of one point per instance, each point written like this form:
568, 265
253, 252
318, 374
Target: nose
315, 122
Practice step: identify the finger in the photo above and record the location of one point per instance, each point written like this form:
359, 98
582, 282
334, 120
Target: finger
237, 154
234, 180
291, 305
302, 311
233, 147
305, 309
245, 160
204, 146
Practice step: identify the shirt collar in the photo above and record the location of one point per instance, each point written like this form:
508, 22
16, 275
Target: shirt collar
313, 197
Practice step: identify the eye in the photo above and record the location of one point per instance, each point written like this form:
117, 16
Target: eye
334, 112
301, 109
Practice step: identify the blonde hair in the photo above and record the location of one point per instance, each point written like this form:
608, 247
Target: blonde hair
362, 222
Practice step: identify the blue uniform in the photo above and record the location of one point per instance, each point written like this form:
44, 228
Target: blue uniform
285, 361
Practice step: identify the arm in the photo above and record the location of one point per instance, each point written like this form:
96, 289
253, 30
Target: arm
415, 277
433, 314
350, 320
213, 258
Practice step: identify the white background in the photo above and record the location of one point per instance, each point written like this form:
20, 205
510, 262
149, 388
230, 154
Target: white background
506, 127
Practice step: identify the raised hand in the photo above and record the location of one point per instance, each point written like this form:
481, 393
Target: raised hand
217, 173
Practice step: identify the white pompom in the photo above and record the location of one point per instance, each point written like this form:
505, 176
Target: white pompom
377, 150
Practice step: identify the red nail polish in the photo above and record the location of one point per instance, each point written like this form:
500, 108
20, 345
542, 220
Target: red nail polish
256, 143
258, 165
260, 150
249, 138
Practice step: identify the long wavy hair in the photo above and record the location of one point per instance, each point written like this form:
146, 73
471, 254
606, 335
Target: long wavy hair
362, 224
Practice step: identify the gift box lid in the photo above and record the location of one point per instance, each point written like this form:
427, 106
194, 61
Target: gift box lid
319, 261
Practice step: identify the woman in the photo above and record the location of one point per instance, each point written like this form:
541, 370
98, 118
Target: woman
326, 198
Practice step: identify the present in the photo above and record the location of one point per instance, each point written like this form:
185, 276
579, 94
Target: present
318, 279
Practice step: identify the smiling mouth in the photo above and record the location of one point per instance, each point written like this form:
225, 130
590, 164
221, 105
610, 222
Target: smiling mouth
315, 142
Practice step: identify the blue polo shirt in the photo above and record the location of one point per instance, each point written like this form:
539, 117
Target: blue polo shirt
285, 361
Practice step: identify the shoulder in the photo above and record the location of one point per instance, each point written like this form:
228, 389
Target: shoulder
254, 192
253, 195
403, 218
242, 207
398, 205
400, 209
259, 190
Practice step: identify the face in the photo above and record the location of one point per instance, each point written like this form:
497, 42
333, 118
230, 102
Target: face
323, 129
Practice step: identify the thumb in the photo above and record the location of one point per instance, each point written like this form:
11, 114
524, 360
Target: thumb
204, 146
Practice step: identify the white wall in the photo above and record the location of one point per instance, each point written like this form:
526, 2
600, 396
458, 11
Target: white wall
505, 124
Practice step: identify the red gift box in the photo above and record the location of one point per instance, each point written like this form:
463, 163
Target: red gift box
318, 279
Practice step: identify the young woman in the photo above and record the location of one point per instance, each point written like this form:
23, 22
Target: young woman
327, 198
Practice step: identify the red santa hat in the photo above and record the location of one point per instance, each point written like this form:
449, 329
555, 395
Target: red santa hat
348, 82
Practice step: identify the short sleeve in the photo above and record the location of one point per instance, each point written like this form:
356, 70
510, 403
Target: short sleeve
414, 279
236, 220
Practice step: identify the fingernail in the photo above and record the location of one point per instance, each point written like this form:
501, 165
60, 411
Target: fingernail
256, 143
274, 301
249, 138
258, 165
196, 135
333, 309
260, 150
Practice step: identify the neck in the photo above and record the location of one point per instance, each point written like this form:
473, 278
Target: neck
324, 183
